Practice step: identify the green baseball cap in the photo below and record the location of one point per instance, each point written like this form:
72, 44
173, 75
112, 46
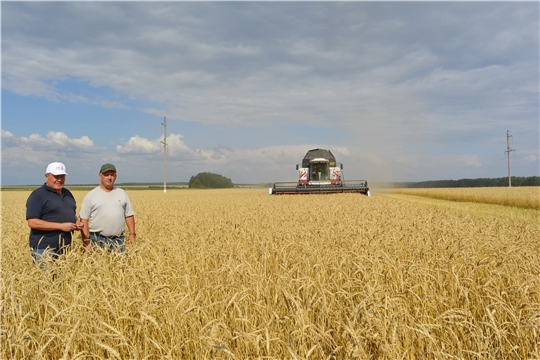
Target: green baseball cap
107, 167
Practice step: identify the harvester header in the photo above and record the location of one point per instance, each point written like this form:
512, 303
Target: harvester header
320, 173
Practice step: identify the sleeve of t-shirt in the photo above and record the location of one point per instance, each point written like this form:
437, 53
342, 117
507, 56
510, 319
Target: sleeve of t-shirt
128, 210
85, 208
34, 206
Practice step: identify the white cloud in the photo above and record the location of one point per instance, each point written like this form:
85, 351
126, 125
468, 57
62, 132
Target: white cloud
530, 158
24, 159
56, 141
470, 160
139, 145
176, 147
6, 134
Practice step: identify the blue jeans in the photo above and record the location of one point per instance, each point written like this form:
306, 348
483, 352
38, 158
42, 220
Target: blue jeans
42, 257
111, 243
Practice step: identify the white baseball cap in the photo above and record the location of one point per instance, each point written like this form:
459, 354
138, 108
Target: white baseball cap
56, 168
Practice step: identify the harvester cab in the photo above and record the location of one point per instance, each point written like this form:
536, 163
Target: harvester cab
319, 173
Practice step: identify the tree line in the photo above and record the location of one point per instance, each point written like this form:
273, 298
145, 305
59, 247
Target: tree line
480, 182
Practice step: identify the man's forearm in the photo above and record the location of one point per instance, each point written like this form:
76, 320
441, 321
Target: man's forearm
85, 231
130, 222
39, 224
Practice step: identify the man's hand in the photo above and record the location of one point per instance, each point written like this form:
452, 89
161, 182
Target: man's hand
87, 245
39, 224
131, 238
68, 227
79, 225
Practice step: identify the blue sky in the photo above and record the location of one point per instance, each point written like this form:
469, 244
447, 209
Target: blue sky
399, 91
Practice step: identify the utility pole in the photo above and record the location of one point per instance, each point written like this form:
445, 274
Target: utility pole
164, 142
508, 150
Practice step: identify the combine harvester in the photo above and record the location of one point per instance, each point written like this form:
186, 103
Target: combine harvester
320, 174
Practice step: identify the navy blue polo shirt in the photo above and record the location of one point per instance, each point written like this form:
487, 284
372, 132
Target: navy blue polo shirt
46, 204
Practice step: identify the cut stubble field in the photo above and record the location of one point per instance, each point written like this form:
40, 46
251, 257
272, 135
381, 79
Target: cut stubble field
241, 274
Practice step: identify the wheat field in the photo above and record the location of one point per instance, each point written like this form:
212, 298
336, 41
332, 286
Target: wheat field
240, 274
523, 197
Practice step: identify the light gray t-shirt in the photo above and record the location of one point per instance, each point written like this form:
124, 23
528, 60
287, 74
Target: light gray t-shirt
106, 210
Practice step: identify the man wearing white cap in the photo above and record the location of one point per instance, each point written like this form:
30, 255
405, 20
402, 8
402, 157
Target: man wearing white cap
51, 214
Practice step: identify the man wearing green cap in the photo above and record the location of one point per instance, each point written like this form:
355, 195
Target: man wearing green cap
105, 212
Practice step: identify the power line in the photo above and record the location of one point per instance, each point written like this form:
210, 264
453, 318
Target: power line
164, 142
508, 150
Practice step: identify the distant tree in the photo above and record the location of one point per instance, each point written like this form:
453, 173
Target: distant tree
481, 182
210, 181
196, 184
